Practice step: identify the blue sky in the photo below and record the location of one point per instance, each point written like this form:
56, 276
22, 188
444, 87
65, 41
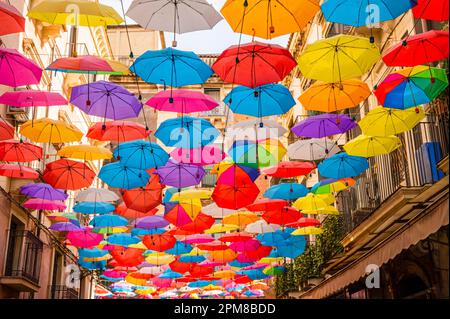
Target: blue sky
209, 41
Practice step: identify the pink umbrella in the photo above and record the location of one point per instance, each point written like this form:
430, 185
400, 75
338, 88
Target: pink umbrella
44, 204
198, 239
17, 70
247, 245
182, 101
199, 156
85, 238
209, 263
255, 266
30, 98
18, 171
162, 282
111, 273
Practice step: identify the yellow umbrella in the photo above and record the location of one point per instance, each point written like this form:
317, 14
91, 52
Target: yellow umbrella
328, 210
269, 19
85, 152
75, 12
334, 187
310, 202
332, 97
327, 198
110, 230
368, 146
224, 274
92, 259
139, 245
196, 252
383, 121
310, 230
191, 194
338, 58
159, 258
50, 131
212, 287
268, 260
241, 218
145, 291
221, 228
135, 281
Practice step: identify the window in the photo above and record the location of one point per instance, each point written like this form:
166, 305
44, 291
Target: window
215, 94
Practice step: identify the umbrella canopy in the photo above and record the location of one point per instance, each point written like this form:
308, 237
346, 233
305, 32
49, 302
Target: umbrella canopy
216, 211
286, 191
124, 240
282, 216
186, 132
65, 227
332, 97
159, 242
144, 199
19, 151
382, 121
117, 131
182, 214
84, 238
127, 257
221, 228
11, 20
18, 171
6, 130
89, 64
31, 98
290, 169
324, 125
171, 67
17, 70
343, 165
267, 204
182, 101
44, 191
141, 154
263, 153
339, 58
96, 195
269, 19
410, 52
46, 130
255, 129
152, 222
180, 174
369, 146
411, 87
202, 156
436, 10
240, 218
108, 221
232, 168
105, 99
361, 13
312, 149
254, 64
93, 207
265, 100
332, 185
126, 212
87, 13
311, 202
85, 152
309, 230
67, 174
44, 204
121, 176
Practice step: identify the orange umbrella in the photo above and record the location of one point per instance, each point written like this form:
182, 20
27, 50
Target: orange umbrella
222, 256
144, 198
127, 257
126, 212
69, 175
118, 131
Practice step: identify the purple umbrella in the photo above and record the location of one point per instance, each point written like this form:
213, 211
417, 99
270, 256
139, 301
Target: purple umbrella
324, 125
43, 191
105, 99
65, 226
180, 174
151, 222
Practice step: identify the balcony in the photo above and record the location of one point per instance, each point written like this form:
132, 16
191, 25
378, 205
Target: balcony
63, 292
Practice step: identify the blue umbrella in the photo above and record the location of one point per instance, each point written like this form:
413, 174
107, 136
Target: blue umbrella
170, 274
121, 176
359, 13
287, 191
171, 67
168, 193
123, 239
198, 283
141, 154
264, 100
108, 220
92, 253
343, 165
141, 231
292, 247
272, 239
238, 264
93, 207
253, 274
191, 258
186, 132
179, 248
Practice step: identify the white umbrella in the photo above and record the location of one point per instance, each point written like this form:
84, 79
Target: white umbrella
253, 129
177, 16
212, 293
215, 211
97, 195
313, 149
261, 227
150, 270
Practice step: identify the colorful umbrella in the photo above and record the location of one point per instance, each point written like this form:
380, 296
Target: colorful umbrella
311, 202
67, 174
18, 171
141, 154
282, 216
127, 257
286, 191
369, 146
216, 211
182, 101
232, 168
269, 19
31, 98
290, 169
19, 151
240, 218
79, 12
146, 198
332, 185
171, 67
343, 165
265, 100
312, 149
118, 131
341, 57
267, 204
263, 153
124, 240
181, 214
105, 99
436, 10
126, 212
309, 230
44, 191
65, 227
382, 121
85, 152
151, 222
11, 20
96, 195
254, 64
93, 207
255, 129
179, 174
6, 130
44, 204
332, 97
46, 130
324, 125
206, 155
17, 70
121, 176
85, 238
418, 49
88, 64
411, 87
108, 221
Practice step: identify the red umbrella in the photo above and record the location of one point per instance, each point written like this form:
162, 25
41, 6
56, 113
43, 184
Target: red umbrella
254, 255
144, 198
200, 271
212, 246
235, 237
18, 171
126, 212
18, 151
418, 49
282, 216
431, 10
11, 20
181, 267
242, 279
254, 64
290, 169
159, 242
118, 131
201, 223
67, 174
6, 130
267, 204
127, 257
304, 222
